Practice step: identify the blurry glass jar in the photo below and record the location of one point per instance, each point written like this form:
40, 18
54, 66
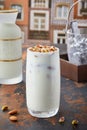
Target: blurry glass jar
77, 48
10, 48
76, 41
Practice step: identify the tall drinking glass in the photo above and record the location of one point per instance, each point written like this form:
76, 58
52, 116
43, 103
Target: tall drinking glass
43, 81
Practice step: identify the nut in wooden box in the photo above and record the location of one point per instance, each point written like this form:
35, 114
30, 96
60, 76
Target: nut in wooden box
71, 71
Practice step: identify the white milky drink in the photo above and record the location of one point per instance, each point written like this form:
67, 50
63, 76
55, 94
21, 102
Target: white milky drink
43, 81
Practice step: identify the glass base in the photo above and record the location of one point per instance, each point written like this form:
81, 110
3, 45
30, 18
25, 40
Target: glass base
11, 80
43, 114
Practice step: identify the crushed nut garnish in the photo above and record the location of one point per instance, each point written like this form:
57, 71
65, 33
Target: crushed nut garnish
43, 48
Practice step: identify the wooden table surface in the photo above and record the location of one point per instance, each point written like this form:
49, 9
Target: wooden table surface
73, 105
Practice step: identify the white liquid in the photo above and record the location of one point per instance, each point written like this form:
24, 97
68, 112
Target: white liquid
43, 82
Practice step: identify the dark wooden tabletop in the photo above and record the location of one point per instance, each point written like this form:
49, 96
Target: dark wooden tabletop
73, 105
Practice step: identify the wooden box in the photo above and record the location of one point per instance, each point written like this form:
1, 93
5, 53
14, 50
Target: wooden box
71, 71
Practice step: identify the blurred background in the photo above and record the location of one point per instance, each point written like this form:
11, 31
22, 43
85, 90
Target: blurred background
44, 21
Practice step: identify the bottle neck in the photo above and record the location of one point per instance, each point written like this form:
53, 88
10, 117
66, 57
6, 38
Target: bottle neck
8, 16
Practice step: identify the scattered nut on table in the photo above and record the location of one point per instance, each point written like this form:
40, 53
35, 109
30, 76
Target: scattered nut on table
75, 122
4, 108
12, 112
61, 119
13, 118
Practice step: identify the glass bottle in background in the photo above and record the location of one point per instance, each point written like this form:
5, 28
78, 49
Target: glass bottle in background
10, 48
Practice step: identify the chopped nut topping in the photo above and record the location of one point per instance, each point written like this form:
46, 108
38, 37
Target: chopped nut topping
42, 48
